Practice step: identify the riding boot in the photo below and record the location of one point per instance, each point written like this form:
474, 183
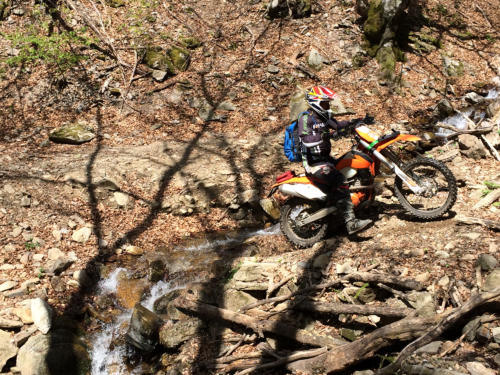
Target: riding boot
352, 224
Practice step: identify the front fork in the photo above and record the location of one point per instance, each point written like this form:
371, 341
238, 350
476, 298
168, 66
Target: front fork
414, 187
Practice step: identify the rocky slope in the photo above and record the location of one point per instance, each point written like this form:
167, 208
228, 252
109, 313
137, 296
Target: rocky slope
179, 150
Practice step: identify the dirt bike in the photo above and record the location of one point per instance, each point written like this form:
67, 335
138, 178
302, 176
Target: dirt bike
425, 187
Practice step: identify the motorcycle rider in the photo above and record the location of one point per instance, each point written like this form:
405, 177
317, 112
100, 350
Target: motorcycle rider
314, 133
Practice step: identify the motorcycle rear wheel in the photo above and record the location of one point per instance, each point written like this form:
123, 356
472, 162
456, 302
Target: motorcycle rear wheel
307, 235
441, 188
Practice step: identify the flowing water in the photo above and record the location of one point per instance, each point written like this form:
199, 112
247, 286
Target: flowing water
109, 353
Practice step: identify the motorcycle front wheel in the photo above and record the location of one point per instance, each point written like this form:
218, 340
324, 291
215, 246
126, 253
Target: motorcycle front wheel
440, 188
303, 236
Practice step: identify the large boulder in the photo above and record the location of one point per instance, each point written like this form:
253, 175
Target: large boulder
60, 352
7, 348
143, 329
72, 134
174, 333
471, 147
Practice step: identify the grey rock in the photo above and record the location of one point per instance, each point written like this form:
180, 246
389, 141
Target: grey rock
471, 328
10, 323
473, 98
235, 299
322, 260
82, 235
72, 134
8, 350
159, 75
487, 262
442, 254
477, 368
54, 253
273, 69
444, 108
41, 314
496, 334
492, 280
227, 106
431, 348
471, 147
423, 302
121, 199
143, 330
7, 285
58, 265
19, 292
18, 11
57, 353
172, 334
25, 201
453, 68
364, 372
417, 252
315, 60
497, 359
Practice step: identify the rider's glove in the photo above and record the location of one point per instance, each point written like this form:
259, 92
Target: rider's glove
369, 119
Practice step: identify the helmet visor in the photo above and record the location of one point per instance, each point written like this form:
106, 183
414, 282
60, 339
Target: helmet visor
325, 104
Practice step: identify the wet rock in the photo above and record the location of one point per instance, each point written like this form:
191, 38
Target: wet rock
473, 98
471, 147
270, 207
143, 330
477, 368
7, 349
172, 334
431, 348
134, 250
42, 315
129, 291
58, 353
492, 280
82, 235
487, 262
72, 134
157, 270
165, 305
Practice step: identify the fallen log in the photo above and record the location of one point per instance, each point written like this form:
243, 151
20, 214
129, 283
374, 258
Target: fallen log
343, 356
257, 325
457, 132
284, 360
475, 220
344, 308
437, 330
357, 276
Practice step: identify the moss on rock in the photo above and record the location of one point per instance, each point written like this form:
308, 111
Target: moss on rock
375, 23
115, 3
4, 9
190, 42
155, 58
180, 58
387, 61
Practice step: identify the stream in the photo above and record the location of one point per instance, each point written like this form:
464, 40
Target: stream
109, 358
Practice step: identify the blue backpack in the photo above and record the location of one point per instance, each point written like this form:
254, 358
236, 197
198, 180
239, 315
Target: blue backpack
291, 146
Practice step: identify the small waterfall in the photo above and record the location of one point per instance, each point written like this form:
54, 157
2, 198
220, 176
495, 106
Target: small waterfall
107, 357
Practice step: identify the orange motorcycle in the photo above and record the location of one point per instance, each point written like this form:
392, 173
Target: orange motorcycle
425, 187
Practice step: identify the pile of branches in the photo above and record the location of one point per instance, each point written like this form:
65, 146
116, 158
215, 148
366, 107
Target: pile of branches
328, 353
